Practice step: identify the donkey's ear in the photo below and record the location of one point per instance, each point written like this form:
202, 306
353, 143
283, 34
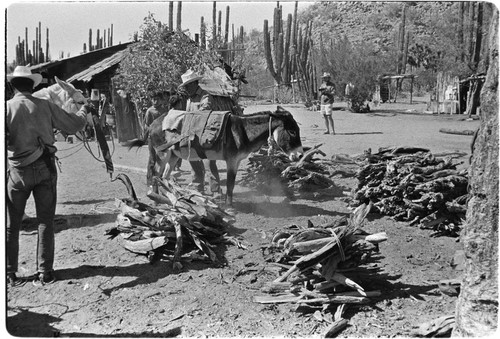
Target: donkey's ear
280, 109
65, 86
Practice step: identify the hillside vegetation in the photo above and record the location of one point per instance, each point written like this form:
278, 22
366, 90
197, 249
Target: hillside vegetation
354, 37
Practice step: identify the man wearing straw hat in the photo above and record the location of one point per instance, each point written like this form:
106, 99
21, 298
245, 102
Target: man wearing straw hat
30, 122
200, 100
327, 92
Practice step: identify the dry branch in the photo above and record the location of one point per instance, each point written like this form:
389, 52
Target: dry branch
179, 221
289, 178
411, 184
317, 254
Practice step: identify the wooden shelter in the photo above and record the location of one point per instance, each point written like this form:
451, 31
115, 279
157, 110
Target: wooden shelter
66, 68
454, 96
99, 77
385, 82
469, 92
94, 70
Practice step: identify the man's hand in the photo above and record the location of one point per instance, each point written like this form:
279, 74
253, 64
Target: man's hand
89, 108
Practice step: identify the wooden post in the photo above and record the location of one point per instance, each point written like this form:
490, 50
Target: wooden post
389, 88
411, 90
111, 44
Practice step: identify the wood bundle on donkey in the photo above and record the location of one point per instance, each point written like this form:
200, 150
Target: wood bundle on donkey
318, 262
271, 172
179, 220
411, 184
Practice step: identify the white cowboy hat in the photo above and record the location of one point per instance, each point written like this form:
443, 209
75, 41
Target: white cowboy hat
190, 76
25, 72
326, 75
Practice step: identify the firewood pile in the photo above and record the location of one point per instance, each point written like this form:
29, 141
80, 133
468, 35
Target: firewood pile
271, 172
177, 221
411, 184
317, 263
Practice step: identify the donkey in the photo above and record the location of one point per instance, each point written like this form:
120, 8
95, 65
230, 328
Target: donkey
240, 136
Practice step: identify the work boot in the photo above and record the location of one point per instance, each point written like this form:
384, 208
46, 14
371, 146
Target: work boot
44, 278
14, 281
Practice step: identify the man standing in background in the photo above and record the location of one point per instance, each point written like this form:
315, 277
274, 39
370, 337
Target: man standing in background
327, 92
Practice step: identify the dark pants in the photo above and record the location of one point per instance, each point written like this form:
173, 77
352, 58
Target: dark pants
198, 173
38, 179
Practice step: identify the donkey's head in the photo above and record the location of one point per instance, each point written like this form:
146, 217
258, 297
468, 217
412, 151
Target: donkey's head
287, 134
64, 95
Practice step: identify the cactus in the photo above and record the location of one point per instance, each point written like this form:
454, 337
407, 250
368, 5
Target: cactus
289, 52
203, 41
267, 50
179, 15
171, 15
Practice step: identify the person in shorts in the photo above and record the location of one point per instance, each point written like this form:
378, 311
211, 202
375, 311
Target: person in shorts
326, 93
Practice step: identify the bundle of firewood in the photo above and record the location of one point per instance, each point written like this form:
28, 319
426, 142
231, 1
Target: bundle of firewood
411, 184
178, 221
271, 172
318, 262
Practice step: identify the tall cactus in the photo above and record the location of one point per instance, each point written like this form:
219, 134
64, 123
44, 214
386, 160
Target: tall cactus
289, 52
275, 51
203, 40
267, 50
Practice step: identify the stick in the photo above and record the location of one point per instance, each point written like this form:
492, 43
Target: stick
178, 246
336, 327
346, 281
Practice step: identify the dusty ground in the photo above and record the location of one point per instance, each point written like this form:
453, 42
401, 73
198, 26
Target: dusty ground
104, 290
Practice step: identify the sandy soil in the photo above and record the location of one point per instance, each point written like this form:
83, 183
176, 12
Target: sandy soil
104, 290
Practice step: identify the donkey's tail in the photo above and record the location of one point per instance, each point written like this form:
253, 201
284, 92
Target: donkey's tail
135, 143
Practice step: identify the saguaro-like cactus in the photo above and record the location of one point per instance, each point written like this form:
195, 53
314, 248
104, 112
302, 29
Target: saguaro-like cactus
288, 52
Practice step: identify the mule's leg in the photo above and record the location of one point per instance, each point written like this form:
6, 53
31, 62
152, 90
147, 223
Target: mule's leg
198, 173
169, 162
214, 180
232, 169
153, 160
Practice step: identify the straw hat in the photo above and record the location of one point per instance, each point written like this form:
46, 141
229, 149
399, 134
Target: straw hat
190, 76
25, 72
326, 75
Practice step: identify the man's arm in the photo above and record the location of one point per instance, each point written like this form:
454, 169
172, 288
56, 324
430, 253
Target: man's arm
69, 123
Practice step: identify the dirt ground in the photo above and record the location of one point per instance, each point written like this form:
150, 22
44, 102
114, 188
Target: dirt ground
103, 290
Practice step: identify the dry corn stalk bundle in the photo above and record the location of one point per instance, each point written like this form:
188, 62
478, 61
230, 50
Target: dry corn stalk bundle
318, 261
410, 184
178, 221
271, 172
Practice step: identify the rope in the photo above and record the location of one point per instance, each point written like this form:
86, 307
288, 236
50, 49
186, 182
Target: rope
67, 149
86, 144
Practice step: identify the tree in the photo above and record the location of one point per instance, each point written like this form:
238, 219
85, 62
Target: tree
156, 62
477, 307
